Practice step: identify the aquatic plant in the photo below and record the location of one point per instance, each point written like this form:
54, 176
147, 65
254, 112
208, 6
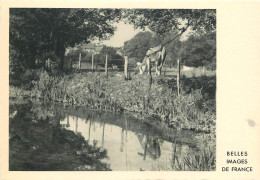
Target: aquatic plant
204, 160
193, 109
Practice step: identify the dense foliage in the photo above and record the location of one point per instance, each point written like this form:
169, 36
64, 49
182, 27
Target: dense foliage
113, 57
138, 45
200, 50
168, 26
162, 21
197, 50
37, 31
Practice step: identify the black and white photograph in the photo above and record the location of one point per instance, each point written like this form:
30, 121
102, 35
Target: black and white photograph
112, 89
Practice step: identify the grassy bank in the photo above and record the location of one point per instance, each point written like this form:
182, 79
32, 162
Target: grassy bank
194, 109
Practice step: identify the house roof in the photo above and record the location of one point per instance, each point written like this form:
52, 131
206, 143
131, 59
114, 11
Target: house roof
88, 46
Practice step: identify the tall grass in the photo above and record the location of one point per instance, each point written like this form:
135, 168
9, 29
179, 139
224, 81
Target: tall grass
204, 160
193, 109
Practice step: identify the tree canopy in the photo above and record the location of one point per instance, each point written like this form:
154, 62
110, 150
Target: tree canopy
110, 51
138, 45
162, 21
34, 31
168, 25
200, 50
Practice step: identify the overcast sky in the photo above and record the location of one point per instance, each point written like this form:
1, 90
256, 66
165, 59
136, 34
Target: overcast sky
123, 33
126, 32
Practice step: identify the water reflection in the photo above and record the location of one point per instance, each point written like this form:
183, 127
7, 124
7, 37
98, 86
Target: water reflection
69, 139
37, 143
150, 145
126, 149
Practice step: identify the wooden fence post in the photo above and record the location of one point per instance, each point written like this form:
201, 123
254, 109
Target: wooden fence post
70, 65
126, 67
178, 76
79, 61
149, 72
149, 67
49, 64
92, 67
106, 66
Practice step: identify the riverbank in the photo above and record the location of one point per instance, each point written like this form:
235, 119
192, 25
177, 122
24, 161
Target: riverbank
156, 103
148, 105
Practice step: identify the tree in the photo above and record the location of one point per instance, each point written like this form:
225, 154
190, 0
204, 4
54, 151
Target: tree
173, 48
110, 51
162, 21
74, 54
113, 57
34, 31
200, 50
138, 45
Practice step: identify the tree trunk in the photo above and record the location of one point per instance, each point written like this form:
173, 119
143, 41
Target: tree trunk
60, 52
30, 60
106, 66
30, 56
92, 61
178, 76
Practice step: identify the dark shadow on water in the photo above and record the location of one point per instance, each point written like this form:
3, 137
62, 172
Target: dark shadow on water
38, 143
151, 146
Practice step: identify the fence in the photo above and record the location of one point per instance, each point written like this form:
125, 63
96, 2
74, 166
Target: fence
116, 65
108, 65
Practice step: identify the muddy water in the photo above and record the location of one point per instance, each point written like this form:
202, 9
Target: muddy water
128, 146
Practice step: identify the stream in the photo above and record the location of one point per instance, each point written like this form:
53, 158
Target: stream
51, 137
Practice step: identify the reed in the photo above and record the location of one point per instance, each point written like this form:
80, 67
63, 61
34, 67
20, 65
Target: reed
193, 109
204, 160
